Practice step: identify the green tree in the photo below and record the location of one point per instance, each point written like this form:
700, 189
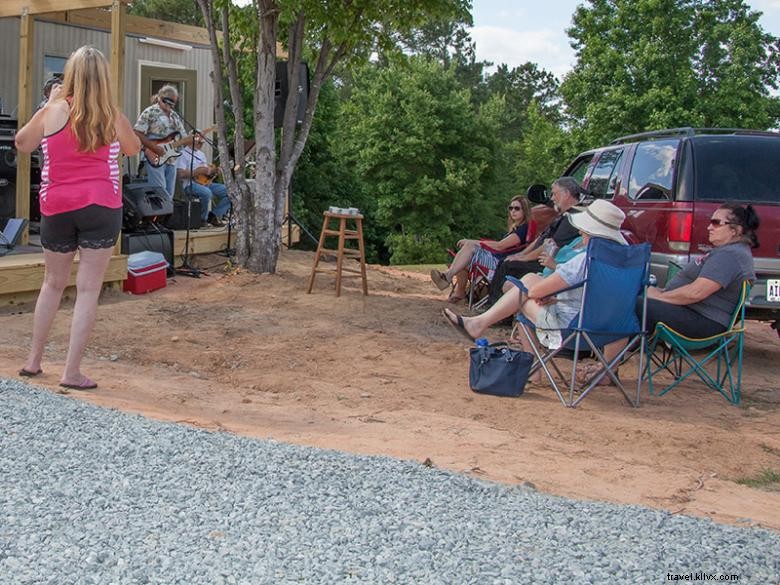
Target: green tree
648, 64
181, 11
521, 86
326, 34
412, 136
447, 40
544, 151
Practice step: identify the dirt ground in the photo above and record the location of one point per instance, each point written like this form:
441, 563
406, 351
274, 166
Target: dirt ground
385, 375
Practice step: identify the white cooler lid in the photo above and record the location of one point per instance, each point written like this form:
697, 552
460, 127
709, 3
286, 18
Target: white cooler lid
145, 259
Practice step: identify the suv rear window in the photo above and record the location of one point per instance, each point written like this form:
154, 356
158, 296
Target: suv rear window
737, 168
601, 183
652, 171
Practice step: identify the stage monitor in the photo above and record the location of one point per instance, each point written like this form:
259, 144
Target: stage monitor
12, 232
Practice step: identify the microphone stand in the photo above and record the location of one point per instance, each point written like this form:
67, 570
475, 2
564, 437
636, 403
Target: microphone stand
186, 268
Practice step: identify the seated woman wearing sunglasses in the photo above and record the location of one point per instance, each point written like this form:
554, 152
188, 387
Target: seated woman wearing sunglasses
700, 300
486, 253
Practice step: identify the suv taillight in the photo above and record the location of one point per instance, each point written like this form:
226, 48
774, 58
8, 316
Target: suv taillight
680, 225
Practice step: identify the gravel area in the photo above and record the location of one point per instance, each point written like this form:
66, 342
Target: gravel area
91, 495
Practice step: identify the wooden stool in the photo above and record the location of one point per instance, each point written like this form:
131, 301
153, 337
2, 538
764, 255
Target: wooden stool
343, 234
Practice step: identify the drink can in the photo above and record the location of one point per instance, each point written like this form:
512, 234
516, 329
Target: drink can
550, 248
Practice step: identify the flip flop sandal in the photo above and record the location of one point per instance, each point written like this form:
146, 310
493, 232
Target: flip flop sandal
28, 374
458, 325
86, 384
439, 279
590, 370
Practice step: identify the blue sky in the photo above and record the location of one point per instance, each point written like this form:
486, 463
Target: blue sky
516, 31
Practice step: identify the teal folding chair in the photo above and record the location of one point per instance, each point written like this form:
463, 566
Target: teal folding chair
683, 356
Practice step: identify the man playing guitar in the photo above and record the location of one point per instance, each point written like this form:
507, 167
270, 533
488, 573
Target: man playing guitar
197, 177
156, 123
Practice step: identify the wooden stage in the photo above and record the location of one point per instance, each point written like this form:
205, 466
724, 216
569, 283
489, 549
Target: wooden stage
21, 272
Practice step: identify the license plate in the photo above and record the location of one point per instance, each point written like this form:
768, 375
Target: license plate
773, 290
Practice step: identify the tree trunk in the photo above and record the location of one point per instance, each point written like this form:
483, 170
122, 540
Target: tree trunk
263, 230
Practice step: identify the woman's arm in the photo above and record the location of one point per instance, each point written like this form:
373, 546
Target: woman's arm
547, 286
128, 139
29, 136
688, 294
510, 241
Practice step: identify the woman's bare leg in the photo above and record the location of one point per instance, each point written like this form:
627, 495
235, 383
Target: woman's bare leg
89, 282
461, 261
55, 279
460, 280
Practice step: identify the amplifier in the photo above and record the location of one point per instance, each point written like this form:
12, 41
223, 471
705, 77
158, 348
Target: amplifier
153, 237
8, 161
7, 127
178, 220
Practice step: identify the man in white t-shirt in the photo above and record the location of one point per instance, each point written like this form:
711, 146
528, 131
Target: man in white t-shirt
197, 177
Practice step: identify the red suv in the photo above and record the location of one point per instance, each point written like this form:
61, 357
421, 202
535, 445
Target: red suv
669, 182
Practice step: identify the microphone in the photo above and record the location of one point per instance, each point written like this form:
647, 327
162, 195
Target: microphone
168, 101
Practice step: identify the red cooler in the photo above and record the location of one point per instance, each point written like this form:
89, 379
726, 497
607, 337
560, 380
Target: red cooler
146, 271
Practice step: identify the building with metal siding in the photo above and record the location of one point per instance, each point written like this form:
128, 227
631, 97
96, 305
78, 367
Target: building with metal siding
60, 39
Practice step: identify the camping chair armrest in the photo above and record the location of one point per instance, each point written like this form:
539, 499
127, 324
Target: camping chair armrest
510, 250
518, 283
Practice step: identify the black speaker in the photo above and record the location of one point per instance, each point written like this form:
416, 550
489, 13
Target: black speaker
152, 237
142, 201
178, 220
282, 88
7, 158
7, 198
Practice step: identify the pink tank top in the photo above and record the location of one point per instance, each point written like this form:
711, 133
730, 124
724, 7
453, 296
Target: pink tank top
72, 180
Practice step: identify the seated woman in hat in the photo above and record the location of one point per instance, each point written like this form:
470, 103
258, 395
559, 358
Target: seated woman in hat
601, 219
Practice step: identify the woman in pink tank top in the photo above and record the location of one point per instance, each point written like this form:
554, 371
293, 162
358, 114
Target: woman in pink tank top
81, 133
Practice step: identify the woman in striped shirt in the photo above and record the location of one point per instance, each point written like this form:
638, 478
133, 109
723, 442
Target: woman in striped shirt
81, 133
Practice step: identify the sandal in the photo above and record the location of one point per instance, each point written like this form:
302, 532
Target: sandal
439, 279
85, 384
457, 323
455, 299
590, 370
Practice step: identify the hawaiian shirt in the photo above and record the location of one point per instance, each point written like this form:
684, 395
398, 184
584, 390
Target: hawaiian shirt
157, 124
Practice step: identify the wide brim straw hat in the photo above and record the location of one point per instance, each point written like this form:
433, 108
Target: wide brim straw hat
601, 219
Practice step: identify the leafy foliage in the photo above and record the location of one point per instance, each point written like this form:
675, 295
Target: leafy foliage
416, 142
545, 150
650, 64
181, 11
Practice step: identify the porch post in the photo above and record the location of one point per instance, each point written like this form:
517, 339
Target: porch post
24, 112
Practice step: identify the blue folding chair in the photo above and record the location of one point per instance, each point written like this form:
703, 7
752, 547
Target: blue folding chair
615, 277
672, 351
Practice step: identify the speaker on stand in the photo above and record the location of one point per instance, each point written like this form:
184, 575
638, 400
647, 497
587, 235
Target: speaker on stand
144, 203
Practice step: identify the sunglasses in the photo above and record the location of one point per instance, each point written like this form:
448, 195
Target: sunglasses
714, 222
514, 208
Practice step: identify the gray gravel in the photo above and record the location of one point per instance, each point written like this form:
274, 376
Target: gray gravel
90, 495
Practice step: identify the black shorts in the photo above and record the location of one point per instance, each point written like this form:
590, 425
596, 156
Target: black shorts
681, 318
94, 227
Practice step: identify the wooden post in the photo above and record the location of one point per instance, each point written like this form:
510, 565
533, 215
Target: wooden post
24, 112
118, 29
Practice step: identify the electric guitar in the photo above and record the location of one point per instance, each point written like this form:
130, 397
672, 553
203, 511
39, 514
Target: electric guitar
170, 146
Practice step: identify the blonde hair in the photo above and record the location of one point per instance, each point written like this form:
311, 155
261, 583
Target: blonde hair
523, 201
86, 85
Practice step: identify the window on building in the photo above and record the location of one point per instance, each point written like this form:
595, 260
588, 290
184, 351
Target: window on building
53, 64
